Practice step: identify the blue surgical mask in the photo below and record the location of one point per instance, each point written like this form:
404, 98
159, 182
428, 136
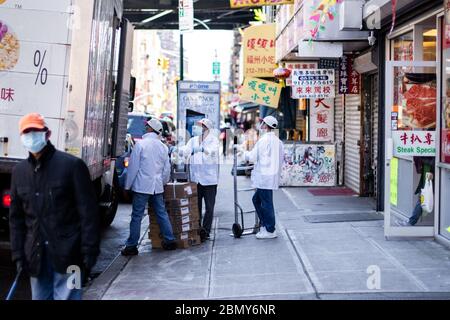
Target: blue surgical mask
197, 131
34, 141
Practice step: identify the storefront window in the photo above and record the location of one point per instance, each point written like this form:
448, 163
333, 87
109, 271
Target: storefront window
402, 47
445, 122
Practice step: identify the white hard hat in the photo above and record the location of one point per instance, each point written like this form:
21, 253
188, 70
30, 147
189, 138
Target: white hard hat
207, 123
271, 122
156, 125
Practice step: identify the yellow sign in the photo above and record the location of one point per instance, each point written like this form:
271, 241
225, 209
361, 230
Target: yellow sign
259, 51
258, 3
261, 92
394, 181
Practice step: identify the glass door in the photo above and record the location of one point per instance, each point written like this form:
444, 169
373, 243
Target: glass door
411, 104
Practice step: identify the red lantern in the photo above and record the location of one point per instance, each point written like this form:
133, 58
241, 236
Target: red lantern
281, 73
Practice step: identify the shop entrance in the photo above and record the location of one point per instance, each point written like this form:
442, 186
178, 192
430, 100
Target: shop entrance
411, 104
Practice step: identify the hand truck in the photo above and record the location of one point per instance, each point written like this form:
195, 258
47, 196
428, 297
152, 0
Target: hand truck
239, 229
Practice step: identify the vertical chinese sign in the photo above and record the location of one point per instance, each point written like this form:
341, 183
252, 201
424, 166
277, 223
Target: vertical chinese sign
259, 51
261, 92
349, 78
186, 15
321, 120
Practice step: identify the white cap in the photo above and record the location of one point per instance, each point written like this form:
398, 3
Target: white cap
156, 125
207, 123
271, 122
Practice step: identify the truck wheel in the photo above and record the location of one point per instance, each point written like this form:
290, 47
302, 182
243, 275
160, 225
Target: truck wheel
111, 197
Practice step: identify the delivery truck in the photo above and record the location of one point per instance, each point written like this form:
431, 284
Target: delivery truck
69, 60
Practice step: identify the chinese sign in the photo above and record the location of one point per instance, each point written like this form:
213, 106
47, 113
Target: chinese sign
313, 84
258, 3
259, 51
262, 92
349, 79
186, 15
321, 120
298, 65
308, 165
414, 143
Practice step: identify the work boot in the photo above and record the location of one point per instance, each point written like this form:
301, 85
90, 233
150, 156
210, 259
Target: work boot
204, 235
169, 245
130, 251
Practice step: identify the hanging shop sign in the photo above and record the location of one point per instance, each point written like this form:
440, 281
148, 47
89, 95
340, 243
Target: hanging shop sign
291, 65
261, 92
414, 143
349, 78
258, 3
186, 15
259, 51
313, 84
321, 120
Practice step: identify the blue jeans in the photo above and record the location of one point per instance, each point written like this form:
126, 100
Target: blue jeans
51, 285
263, 202
417, 213
140, 201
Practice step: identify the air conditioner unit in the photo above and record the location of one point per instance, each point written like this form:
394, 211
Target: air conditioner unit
351, 15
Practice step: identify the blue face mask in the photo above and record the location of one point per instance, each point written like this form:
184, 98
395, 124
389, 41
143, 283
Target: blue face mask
34, 141
197, 131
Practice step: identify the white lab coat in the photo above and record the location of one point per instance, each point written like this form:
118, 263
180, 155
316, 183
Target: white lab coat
268, 157
204, 166
149, 166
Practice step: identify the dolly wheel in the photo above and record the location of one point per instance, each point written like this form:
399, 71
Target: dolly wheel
237, 230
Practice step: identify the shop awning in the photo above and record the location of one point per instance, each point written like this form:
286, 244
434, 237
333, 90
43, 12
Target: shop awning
246, 107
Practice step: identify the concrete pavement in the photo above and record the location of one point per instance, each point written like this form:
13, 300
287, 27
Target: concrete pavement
337, 260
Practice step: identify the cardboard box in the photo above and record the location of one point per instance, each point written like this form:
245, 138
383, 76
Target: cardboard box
180, 190
183, 240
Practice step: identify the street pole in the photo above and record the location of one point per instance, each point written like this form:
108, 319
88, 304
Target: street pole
181, 57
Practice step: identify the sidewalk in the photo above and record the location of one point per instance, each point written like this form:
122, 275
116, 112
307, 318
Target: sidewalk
307, 260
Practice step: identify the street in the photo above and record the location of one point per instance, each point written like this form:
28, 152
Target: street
332, 260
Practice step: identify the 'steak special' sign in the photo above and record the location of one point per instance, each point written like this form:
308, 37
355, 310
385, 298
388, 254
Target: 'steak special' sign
259, 51
313, 84
258, 3
414, 143
261, 92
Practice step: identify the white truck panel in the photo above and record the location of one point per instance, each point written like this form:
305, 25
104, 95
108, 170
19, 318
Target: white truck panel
28, 97
41, 5
38, 26
9, 127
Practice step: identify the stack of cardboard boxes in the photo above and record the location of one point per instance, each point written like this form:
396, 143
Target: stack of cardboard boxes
182, 207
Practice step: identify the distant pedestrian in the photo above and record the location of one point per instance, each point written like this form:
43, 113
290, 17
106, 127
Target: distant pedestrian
148, 172
203, 150
267, 156
54, 217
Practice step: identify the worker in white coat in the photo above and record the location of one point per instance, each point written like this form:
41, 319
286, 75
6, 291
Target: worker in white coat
148, 172
267, 156
203, 152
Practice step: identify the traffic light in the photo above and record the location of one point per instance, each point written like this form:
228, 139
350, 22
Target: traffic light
166, 64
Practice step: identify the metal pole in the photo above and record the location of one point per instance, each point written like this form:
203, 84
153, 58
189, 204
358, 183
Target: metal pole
181, 57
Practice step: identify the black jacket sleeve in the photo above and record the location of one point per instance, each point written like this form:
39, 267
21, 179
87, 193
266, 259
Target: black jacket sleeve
87, 205
17, 224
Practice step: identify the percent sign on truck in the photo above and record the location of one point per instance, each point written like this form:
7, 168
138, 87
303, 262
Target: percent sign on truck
39, 63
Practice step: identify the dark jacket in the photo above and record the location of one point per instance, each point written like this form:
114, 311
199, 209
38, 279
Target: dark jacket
53, 200
423, 166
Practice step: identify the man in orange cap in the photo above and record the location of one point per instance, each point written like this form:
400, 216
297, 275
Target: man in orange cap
54, 219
